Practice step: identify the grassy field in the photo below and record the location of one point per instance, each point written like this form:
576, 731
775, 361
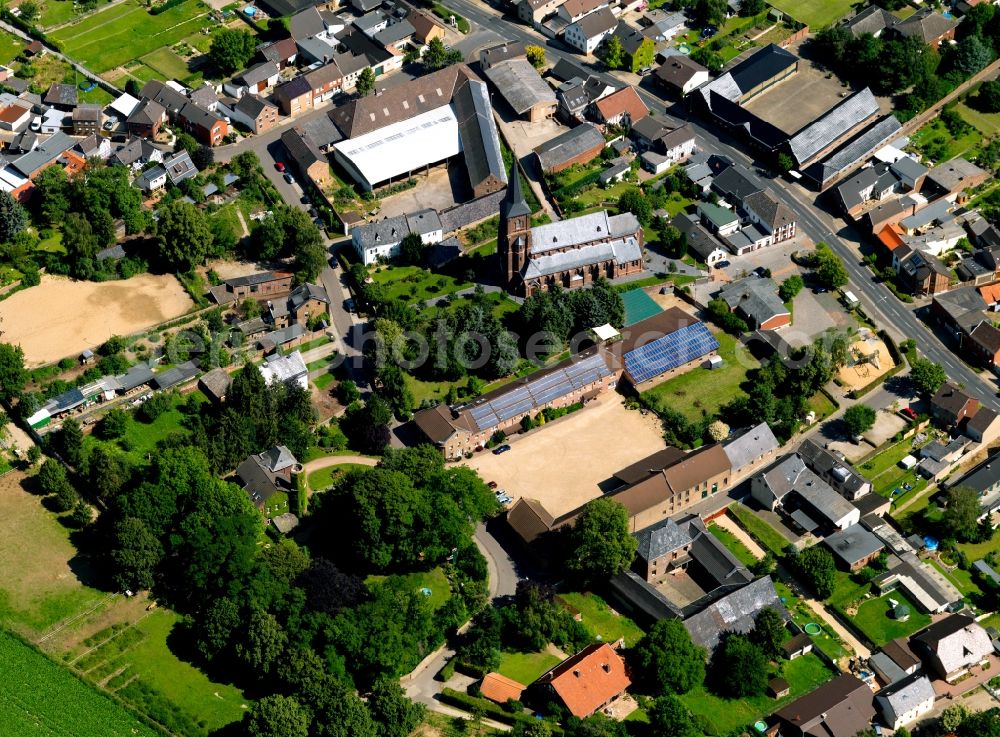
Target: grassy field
821, 405
323, 478
961, 580
144, 74
987, 123
760, 529
144, 672
108, 39
934, 138
602, 620
413, 284
846, 591
887, 458
814, 13
525, 667
10, 46
323, 381
435, 580
41, 699
734, 546
727, 716
55, 12
166, 62
702, 391
874, 618
802, 615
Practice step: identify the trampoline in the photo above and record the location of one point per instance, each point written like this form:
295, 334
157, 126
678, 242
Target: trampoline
930, 543
426, 591
760, 726
684, 49
812, 629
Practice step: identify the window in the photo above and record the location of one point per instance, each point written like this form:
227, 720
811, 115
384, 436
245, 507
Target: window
715, 488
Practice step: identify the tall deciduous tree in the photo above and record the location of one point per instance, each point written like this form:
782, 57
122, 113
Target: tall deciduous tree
13, 375
613, 53
667, 660
972, 55
859, 419
394, 714
135, 554
669, 717
231, 49
278, 716
365, 83
602, 544
927, 376
961, 515
829, 268
739, 668
184, 235
536, 55
817, 567
769, 632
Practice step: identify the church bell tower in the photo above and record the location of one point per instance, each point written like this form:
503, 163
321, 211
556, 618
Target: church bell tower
514, 238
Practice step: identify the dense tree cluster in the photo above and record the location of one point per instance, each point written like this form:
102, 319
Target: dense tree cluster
665, 661
231, 49
601, 543
564, 314
816, 567
960, 520
289, 231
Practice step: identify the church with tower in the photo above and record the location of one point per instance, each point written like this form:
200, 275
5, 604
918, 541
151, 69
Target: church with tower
571, 253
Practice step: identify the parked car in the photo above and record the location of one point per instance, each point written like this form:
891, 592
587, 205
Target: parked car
505, 500
305, 199
349, 304
709, 31
492, 484
908, 411
501, 449
722, 265
289, 178
819, 290
279, 166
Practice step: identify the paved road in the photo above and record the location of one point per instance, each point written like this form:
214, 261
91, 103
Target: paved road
503, 576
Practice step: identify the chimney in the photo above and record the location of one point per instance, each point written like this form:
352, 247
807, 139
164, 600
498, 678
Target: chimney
606, 667
576, 673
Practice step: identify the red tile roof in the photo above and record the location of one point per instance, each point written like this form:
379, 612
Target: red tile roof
990, 293
625, 100
588, 680
500, 689
890, 237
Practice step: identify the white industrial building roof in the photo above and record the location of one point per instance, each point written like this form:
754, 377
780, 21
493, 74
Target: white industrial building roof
402, 147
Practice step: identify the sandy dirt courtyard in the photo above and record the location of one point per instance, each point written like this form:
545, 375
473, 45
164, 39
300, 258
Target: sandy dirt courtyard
60, 317
863, 372
562, 464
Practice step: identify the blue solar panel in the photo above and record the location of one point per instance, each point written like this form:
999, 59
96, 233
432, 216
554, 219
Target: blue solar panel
505, 413
549, 394
511, 397
669, 352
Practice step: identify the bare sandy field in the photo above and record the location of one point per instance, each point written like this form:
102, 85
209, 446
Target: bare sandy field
561, 464
60, 317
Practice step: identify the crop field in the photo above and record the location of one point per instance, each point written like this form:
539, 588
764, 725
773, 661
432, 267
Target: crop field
41, 699
115, 36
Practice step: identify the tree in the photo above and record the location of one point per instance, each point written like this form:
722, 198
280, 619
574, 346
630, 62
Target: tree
437, 56
790, 287
739, 668
29, 11
114, 424
961, 516
328, 590
536, 55
203, 157
988, 97
365, 83
927, 376
643, 56
669, 717
953, 716
613, 53
347, 392
13, 375
184, 235
70, 438
634, 201
769, 632
411, 249
262, 645
231, 50
817, 568
785, 162
750, 8
52, 479
13, 217
710, 12
981, 724
972, 55
718, 431
52, 194
667, 660
394, 714
830, 269
309, 253
859, 419
135, 554
278, 716
602, 544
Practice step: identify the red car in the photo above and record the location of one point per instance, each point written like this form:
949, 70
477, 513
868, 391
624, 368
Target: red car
908, 411
279, 166
492, 484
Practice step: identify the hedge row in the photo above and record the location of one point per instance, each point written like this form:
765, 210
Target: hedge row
163, 8
29, 28
490, 710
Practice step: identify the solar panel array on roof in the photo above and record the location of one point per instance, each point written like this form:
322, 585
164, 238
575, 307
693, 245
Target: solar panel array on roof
540, 392
669, 352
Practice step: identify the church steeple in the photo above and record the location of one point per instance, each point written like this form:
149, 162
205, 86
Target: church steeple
514, 238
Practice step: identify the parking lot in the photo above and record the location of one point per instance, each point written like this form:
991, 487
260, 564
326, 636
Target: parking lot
562, 463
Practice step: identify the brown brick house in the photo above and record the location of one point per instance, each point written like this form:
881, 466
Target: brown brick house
307, 158
587, 682
294, 96
146, 119
951, 405
261, 286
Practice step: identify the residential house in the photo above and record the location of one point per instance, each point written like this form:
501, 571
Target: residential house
681, 75
280, 53
380, 240
950, 405
304, 303
699, 240
984, 427
648, 130
923, 585
294, 96
61, 97
573, 10
578, 145
425, 28
286, 369
260, 286
500, 53
842, 706
637, 46
928, 25
533, 12
151, 180
872, 20
309, 161
146, 119
265, 474
14, 117
255, 113
870, 183
95, 147
205, 126
854, 547
773, 216
136, 153
720, 220
920, 272
953, 177
661, 26
734, 612
678, 145
894, 662
910, 172
756, 301
905, 701
953, 645
622, 108
587, 682
834, 470
255, 80
811, 503
985, 479
573, 101
325, 82
179, 167
586, 34
887, 213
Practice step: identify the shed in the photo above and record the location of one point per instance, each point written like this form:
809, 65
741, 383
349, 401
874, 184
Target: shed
285, 523
215, 384
908, 462
797, 646
87, 356
500, 689
778, 688
715, 362
605, 332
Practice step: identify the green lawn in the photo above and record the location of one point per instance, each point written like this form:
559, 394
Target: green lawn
323, 477
166, 62
978, 551
53, 243
827, 641
961, 580
42, 699
987, 123
321, 362
934, 140
887, 458
701, 391
874, 618
314, 343
128, 31
821, 405
434, 580
145, 74
600, 619
141, 438
737, 548
55, 12
323, 381
814, 13
413, 284
759, 529
525, 668
846, 591
10, 46
726, 716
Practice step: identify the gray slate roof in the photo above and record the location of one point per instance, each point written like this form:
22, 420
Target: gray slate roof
732, 613
853, 544
750, 445
855, 150
520, 85
844, 116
